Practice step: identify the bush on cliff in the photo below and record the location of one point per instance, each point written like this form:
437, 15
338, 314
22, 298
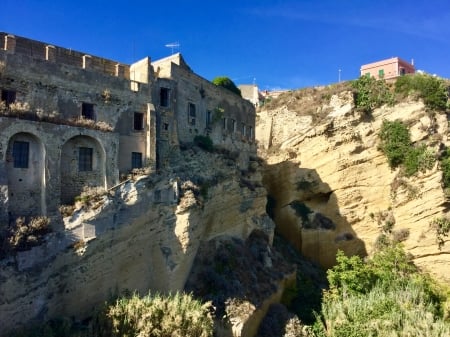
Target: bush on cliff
397, 146
156, 315
383, 296
370, 93
432, 90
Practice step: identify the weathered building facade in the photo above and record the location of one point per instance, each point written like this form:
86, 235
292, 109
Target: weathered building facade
70, 120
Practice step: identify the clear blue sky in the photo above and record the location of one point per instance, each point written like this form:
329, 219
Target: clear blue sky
281, 44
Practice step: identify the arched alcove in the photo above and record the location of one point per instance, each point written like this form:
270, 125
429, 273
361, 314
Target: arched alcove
82, 164
25, 167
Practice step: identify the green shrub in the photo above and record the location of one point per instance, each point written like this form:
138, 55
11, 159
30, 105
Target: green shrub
418, 159
204, 142
227, 83
442, 228
156, 315
398, 149
445, 167
395, 142
351, 274
432, 90
383, 296
371, 93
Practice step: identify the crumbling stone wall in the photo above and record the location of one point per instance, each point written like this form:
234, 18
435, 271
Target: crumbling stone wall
57, 90
38, 189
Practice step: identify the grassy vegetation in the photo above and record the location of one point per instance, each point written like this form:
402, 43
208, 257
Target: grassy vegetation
432, 90
23, 234
383, 296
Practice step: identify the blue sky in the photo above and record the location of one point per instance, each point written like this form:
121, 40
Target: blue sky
279, 44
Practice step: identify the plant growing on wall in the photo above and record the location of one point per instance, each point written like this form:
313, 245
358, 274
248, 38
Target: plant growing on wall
218, 114
227, 83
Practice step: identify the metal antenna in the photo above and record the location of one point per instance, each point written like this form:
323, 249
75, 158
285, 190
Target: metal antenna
173, 45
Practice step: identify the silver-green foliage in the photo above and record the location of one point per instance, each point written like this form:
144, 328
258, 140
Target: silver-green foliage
155, 315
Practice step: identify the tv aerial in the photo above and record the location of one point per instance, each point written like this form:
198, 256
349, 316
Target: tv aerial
173, 45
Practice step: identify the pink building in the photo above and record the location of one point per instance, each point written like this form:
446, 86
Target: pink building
388, 69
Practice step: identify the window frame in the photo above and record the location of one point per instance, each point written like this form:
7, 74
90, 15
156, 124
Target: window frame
88, 111
21, 154
85, 159
138, 121
164, 97
136, 157
8, 96
192, 114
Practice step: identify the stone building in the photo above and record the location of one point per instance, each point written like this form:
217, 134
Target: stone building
70, 120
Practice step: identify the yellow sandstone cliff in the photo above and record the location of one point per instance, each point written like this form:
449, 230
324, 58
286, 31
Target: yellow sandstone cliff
332, 188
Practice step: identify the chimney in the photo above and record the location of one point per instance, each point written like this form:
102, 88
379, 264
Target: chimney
50, 53
87, 59
10, 43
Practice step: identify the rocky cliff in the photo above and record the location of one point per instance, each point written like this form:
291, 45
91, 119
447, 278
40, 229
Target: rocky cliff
331, 188
143, 234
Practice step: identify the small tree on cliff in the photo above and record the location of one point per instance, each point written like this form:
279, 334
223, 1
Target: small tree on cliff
223, 81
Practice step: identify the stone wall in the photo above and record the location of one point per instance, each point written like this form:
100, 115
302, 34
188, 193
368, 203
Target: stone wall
57, 92
39, 189
43, 51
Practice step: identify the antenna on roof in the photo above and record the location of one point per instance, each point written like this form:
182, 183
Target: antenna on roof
173, 45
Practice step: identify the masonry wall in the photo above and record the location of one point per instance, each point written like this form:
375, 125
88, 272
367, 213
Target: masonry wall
49, 180
58, 91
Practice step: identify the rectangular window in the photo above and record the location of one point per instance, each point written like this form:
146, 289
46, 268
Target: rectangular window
381, 73
136, 160
8, 96
87, 111
191, 113
164, 95
208, 118
20, 154
166, 126
250, 133
85, 159
232, 125
224, 123
138, 121
242, 129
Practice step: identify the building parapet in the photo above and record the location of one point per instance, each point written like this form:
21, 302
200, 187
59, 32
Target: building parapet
42, 51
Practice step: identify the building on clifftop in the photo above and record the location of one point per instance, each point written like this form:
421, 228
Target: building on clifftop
388, 69
70, 120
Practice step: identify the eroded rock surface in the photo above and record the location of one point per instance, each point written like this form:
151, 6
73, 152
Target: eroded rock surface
324, 159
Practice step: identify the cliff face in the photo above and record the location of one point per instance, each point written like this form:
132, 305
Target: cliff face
142, 235
331, 188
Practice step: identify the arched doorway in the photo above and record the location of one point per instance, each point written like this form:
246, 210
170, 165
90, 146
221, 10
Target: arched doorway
82, 164
25, 167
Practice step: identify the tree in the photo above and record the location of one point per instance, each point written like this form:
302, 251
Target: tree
223, 81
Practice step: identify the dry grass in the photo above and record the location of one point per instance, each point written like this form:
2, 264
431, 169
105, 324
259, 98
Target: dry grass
23, 111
